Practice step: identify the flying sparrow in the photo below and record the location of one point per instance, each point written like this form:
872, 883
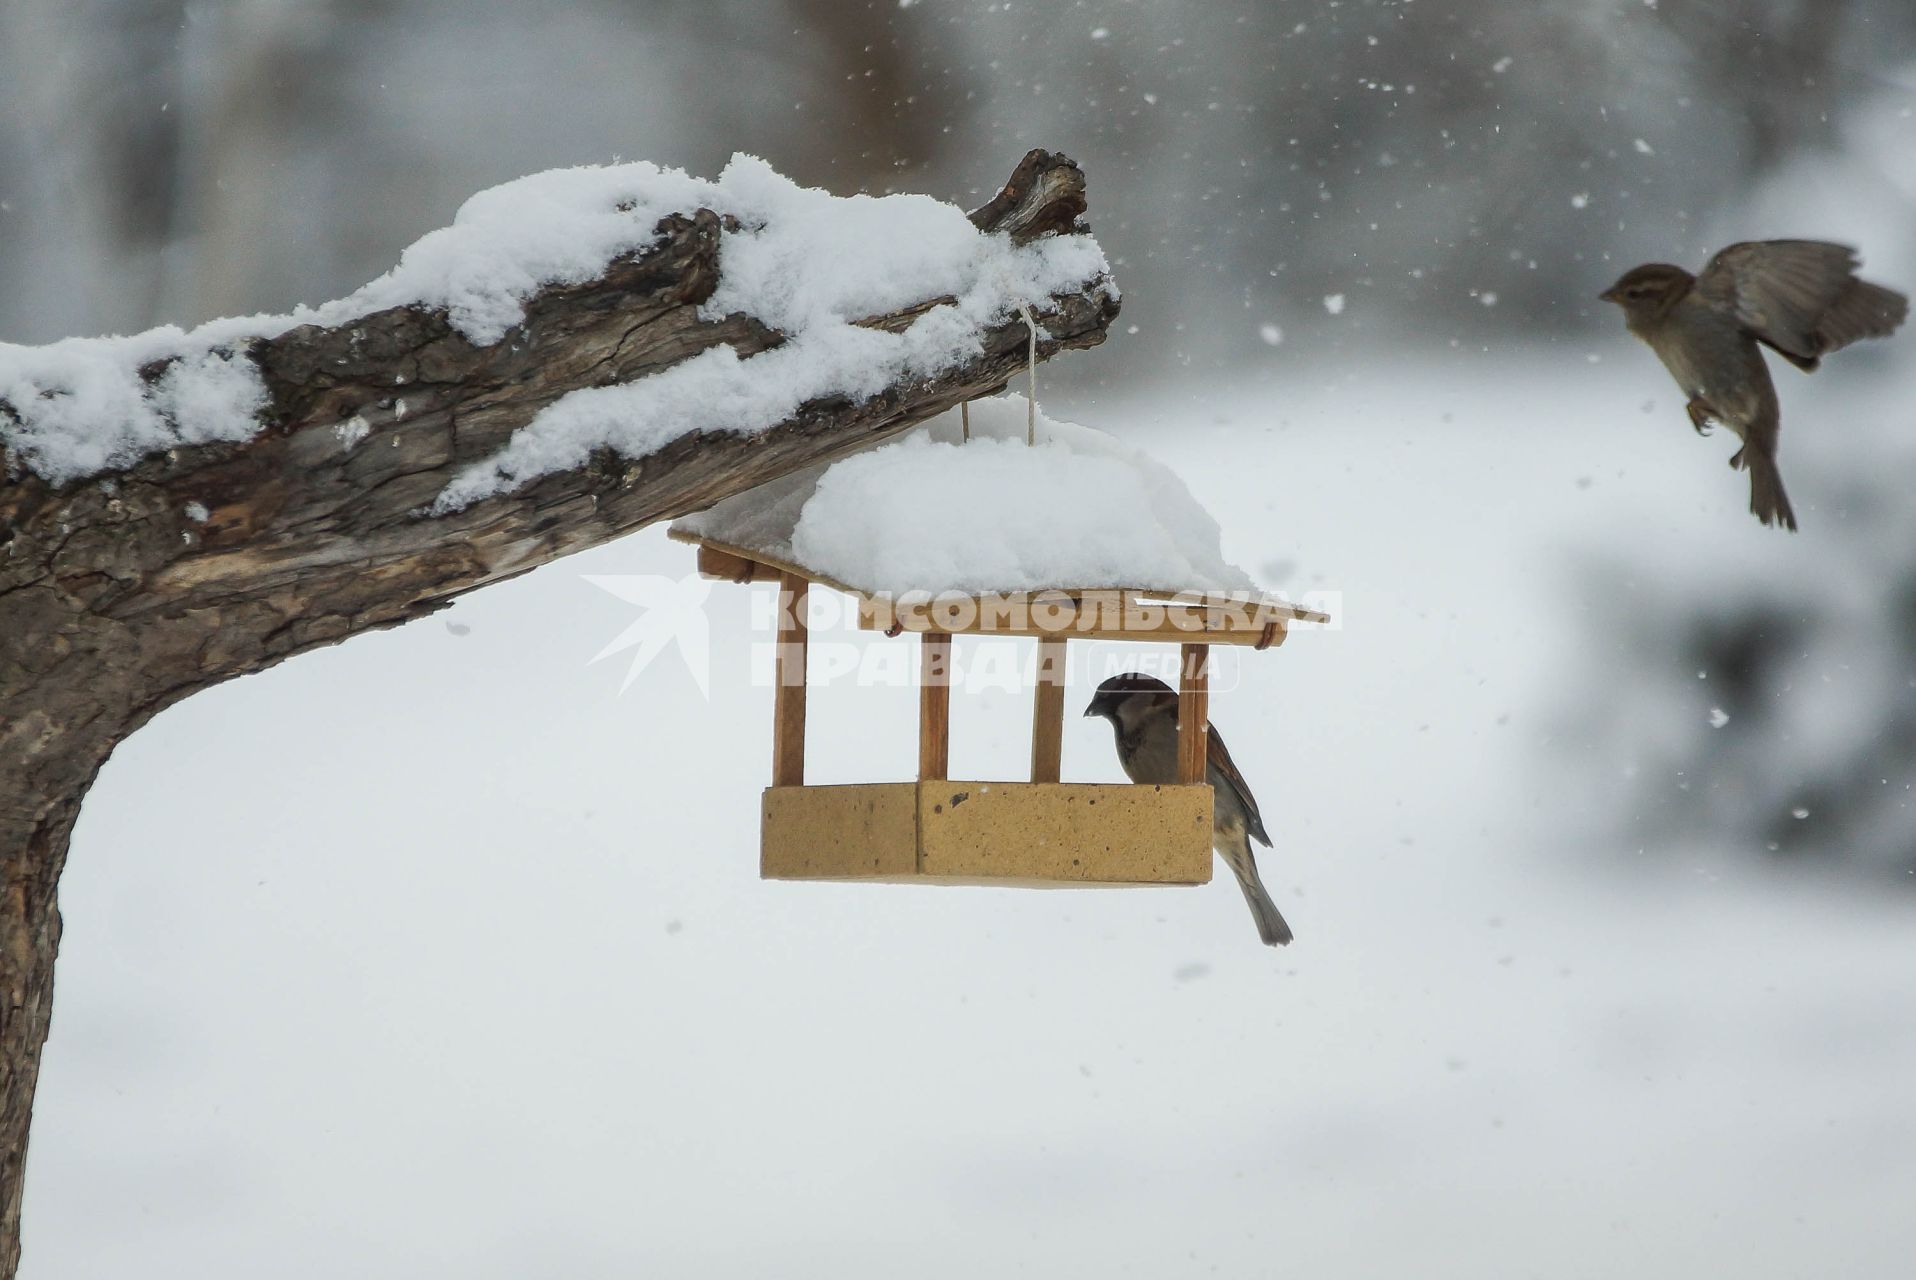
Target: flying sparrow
1799, 298
1144, 713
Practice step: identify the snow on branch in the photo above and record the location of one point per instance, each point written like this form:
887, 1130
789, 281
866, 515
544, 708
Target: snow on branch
814, 267
800, 261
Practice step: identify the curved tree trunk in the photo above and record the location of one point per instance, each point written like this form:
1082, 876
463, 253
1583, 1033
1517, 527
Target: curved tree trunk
120, 596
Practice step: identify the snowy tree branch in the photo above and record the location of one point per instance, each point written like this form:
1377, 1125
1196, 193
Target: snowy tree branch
122, 593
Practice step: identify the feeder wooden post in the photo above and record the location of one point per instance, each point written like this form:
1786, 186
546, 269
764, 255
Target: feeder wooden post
1047, 713
934, 707
1194, 714
788, 698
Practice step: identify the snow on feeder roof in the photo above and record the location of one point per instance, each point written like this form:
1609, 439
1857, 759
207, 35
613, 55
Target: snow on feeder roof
930, 514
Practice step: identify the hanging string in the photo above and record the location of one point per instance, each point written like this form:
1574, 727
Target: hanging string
964, 419
1031, 364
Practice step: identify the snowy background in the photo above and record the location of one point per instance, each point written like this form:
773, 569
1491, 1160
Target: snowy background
432, 954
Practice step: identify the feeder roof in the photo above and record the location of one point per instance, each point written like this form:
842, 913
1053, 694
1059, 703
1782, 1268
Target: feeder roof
925, 512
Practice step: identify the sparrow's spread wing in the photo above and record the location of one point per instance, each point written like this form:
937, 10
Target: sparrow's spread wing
1218, 756
1801, 297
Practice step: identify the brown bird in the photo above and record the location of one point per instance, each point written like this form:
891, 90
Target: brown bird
1143, 711
1799, 298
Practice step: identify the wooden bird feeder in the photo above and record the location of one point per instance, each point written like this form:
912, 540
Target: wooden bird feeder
1043, 832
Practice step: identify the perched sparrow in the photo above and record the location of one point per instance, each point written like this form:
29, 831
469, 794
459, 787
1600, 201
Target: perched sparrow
1799, 298
1144, 713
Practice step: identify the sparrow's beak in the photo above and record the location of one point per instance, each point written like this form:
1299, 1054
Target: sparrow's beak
1608, 295
1091, 708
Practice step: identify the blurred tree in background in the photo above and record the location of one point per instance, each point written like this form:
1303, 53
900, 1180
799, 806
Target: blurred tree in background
1774, 715
1458, 159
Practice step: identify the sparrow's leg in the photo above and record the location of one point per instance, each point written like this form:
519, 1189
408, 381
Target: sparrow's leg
1700, 414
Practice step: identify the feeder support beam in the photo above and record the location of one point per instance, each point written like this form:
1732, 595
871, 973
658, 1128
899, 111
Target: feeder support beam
788, 699
1194, 713
1047, 713
934, 707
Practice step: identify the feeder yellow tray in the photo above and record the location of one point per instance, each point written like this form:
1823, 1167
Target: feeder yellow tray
1028, 834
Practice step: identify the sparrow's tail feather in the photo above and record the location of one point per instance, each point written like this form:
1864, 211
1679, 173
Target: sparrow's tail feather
1270, 925
1768, 502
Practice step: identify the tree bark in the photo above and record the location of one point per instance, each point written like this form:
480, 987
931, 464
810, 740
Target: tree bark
116, 601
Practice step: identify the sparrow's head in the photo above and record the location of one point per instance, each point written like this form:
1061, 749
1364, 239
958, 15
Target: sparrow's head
1649, 289
1125, 699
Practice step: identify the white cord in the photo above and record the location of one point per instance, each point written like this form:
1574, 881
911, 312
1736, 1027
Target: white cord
1031, 364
